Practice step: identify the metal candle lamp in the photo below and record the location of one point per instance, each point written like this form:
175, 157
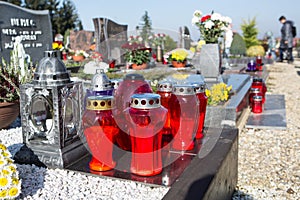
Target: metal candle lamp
202, 98
100, 130
184, 116
51, 112
164, 89
146, 118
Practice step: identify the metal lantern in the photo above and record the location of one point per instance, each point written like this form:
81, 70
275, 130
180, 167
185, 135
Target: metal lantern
51, 112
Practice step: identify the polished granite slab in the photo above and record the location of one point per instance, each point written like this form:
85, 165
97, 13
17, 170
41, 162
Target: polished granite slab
273, 116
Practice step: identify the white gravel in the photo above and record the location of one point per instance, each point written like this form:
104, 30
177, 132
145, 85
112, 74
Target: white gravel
269, 160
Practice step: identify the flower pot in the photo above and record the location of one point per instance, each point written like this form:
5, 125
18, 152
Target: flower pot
78, 58
139, 67
9, 111
176, 64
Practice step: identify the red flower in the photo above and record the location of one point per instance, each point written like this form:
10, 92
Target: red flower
204, 18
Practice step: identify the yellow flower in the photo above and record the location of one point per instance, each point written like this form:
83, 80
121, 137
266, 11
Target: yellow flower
5, 172
207, 93
3, 181
179, 55
3, 147
3, 193
13, 192
15, 181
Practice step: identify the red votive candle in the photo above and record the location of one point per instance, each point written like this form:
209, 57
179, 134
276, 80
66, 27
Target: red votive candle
254, 92
100, 130
131, 84
184, 116
146, 118
259, 64
257, 105
164, 89
202, 98
259, 83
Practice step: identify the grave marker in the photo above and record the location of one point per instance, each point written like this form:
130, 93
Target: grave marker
34, 28
109, 36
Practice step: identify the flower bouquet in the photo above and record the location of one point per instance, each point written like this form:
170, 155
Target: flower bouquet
218, 93
211, 26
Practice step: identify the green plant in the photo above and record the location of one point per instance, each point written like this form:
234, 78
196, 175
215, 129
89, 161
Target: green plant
256, 51
211, 26
136, 53
217, 94
250, 32
10, 185
238, 46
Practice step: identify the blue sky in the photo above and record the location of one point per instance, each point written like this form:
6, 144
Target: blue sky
172, 14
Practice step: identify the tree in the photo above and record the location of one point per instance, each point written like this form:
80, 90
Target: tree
250, 33
67, 18
238, 45
169, 44
16, 2
35, 4
146, 25
63, 16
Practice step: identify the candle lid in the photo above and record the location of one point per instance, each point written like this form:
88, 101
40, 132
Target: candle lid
257, 79
134, 77
99, 103
254, 90
183, 90
145, 101
257, 98
199, 87
164, 86
115, 83
100, 81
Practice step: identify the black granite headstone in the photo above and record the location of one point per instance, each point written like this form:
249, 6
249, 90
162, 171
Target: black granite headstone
109, 36
34, 27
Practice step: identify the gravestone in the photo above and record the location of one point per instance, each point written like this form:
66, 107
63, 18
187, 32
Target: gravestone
109, 36
34, 28
184, 38
81, 40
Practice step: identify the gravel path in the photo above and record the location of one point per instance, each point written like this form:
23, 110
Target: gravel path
269, 160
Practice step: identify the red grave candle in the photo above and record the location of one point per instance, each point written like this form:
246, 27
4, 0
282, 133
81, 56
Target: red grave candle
131, 84
184, 116
259, 83
257, 105
146, 118
254, 92
100, 130
164, 89
202, 98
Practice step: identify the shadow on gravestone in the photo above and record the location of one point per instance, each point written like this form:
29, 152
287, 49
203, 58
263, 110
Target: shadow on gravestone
34, 27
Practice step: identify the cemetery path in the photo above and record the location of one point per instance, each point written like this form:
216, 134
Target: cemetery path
269, 160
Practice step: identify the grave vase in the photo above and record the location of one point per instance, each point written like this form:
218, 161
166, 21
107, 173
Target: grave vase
210, 60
